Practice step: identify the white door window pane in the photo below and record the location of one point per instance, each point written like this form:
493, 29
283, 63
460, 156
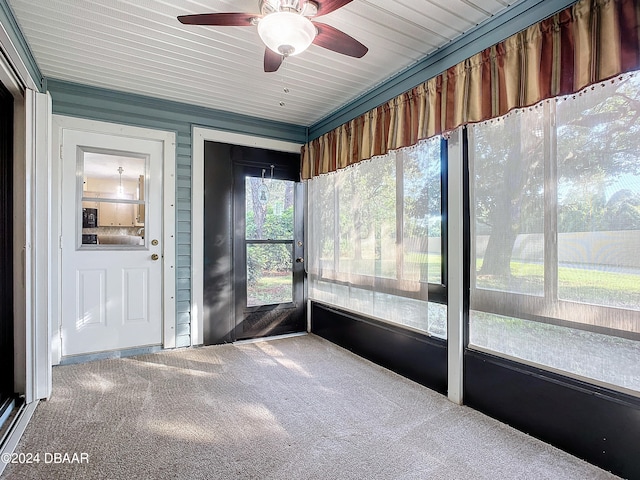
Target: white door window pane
112, 199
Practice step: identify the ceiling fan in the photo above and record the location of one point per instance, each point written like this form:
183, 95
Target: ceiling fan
286, 29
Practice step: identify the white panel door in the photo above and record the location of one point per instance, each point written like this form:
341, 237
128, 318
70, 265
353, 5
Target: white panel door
111, 271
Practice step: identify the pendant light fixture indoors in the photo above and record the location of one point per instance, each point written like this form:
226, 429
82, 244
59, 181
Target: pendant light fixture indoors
120, 187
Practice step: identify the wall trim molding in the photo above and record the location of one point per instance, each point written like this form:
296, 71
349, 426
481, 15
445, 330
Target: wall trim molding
65, 102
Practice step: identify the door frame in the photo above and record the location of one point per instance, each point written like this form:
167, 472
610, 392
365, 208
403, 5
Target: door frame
199, 135
31, 261
168, 140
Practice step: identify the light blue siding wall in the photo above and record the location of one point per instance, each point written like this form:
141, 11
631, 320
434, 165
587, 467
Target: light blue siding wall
124, 108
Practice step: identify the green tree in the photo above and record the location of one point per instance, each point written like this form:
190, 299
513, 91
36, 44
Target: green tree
597, 145
422, 191
367, 209
268, 220
508, 185
622, 211
597, 140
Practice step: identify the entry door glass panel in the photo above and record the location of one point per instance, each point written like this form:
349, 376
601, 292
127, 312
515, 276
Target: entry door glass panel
112, 203
269, 212
269, 236
268, 245
269, 274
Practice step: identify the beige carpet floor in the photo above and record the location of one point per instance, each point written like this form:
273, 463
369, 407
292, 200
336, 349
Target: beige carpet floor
295, 408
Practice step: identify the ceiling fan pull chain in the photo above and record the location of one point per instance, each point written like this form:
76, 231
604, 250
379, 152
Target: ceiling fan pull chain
285, 89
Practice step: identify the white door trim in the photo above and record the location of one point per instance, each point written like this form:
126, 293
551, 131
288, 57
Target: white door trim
198, 136
31, 188
32, 117
169, 217
32, 258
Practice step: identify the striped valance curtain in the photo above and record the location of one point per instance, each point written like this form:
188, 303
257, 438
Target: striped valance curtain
589, 42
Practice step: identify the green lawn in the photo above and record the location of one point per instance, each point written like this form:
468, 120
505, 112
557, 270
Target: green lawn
415, 265
575, 284
270, 289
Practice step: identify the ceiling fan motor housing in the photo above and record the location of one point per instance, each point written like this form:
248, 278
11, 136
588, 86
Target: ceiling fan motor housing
307, 8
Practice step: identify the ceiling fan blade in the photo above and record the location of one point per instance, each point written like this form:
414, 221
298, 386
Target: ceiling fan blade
336, 40
219, 19
329, 6
272, 60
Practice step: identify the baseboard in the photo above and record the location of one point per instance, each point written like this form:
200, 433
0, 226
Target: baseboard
416, 356
268, 339
590, 422
91, 357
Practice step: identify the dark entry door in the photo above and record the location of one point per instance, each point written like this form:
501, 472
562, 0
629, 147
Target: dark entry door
268, 251
6, 250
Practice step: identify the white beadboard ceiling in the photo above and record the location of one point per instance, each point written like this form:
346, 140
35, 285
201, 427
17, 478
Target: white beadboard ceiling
138, 46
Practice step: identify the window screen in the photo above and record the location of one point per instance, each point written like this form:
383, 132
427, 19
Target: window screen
555, 215
375, 237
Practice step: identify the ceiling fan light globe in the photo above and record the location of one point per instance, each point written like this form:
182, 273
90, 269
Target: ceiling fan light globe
286, 33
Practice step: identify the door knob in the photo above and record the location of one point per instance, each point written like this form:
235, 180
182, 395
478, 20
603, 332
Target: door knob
299, 260
154, 256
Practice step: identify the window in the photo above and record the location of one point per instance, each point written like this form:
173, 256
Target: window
269, 237
113, 199
375, 237
555, 213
